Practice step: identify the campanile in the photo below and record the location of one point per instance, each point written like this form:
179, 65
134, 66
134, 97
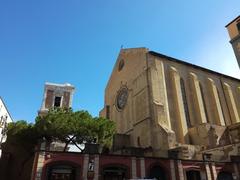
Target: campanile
234, 32
56, 95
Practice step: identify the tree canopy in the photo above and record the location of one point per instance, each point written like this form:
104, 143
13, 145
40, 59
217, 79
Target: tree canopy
61, 124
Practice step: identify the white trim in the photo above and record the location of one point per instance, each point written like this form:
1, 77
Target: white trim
134, 168
142, 167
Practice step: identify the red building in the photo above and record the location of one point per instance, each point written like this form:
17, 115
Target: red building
50, 165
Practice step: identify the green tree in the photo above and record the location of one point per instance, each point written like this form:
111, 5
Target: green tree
61, 124
64, 124
58, 124
21, 133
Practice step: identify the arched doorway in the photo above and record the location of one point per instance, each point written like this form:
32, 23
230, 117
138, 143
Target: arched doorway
62, 172
114, 173
193, 175
224, 176
157, 172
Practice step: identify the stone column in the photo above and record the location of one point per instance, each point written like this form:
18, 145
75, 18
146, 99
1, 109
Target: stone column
96, 167
231, 103
180, 113
218, 118
142, 167
203, 175
208, 172
214, 172
180, 170
238, 99
236, 170
159, 95
197, 98
172, 169
85, 166
40, 162
134, 168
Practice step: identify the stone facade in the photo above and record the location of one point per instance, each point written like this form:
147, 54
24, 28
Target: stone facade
175, 121
171, 105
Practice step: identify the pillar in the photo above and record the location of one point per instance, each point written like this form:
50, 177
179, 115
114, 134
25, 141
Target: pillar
214, 172
96, 167
142, 167
216, 105
203, 175
179, 106
159, 95
208, 172
134, 168
40, 162
180, 170
197, 99
172, 169
231, 103
85, 166
236, 170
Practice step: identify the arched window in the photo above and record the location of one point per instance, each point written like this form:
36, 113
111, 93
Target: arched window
204, 102
185, 104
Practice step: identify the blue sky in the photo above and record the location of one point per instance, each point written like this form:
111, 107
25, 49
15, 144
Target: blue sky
77, 41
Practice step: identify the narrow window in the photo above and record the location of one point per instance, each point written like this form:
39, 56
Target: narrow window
185, 104
221, 105
121, 64
138, 141
57, 101
204, 102
107, 111
238, 26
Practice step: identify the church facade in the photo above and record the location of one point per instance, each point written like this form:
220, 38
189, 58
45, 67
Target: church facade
167, 104
175, 121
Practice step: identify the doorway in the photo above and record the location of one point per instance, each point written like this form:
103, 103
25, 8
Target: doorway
193, 175
224, 176
61, 172
157, 172
114, 173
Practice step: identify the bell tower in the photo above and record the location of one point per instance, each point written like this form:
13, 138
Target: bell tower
234, 32
56, 95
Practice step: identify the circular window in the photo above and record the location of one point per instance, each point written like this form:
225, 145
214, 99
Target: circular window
122, 98
120, 65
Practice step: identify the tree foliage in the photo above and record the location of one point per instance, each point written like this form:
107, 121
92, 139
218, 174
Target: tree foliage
21, 133
60, 124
